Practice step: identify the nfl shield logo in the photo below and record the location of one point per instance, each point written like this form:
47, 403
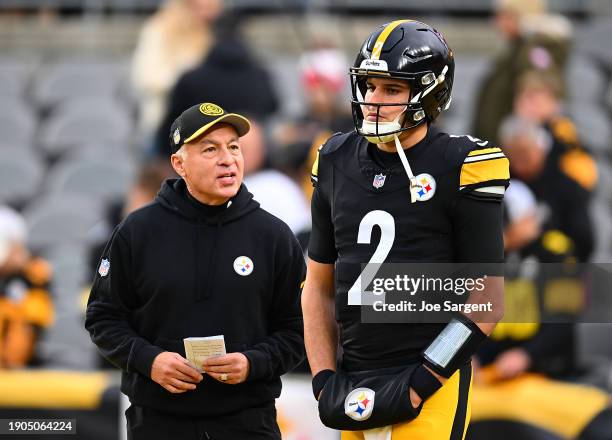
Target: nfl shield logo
379, 180
104, 267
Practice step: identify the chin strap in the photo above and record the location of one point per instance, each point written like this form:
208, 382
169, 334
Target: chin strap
414, 186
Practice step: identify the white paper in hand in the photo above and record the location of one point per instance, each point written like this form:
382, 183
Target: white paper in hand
197, 350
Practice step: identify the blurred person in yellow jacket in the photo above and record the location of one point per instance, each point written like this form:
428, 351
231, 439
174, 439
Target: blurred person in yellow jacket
25, 302
526, 386
561, 172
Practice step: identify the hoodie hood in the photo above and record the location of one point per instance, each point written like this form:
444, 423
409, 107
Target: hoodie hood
173, 196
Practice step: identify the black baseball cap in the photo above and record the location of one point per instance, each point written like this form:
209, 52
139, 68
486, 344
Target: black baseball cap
201, 117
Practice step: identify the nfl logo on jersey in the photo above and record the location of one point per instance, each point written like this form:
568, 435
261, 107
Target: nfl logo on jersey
104, 267
379, 180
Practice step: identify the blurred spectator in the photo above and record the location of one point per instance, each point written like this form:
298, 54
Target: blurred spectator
526, 340
324, 81
553, 292
171, 42
529, 146
275, 191
534, 40
26, 307
507, 394
545, 153
324, 84
521, 215
561, 176
229, 76
539, 97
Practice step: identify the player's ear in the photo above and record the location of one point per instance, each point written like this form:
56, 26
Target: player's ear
177, 162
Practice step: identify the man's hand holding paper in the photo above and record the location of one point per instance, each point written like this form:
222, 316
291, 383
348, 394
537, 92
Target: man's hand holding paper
232, 368
173, 372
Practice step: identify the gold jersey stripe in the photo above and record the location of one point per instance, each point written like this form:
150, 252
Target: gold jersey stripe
483, 171
380, 41
484, 151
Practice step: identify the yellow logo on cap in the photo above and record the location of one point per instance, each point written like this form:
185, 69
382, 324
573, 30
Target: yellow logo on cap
211, 109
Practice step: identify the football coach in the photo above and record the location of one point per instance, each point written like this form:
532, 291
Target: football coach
202, 260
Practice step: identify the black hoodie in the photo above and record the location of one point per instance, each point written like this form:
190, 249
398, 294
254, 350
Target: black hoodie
168, 273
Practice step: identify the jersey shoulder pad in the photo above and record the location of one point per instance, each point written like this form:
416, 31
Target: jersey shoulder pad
328, 147
484, 169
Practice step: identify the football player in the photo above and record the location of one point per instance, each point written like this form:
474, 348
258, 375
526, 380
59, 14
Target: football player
398, 190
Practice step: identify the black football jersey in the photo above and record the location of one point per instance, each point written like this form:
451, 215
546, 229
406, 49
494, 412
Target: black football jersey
362, 212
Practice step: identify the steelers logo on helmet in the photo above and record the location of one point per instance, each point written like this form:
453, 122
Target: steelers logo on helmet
210, 109
359, 404
404, 50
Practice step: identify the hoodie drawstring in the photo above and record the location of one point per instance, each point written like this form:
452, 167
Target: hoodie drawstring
212, 262
198, 271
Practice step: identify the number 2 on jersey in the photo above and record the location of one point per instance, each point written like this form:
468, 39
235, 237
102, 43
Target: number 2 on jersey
386, 223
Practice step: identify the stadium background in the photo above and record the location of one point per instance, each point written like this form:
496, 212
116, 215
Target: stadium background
72, 143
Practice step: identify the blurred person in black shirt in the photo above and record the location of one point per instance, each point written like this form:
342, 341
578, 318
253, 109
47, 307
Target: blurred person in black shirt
229, 75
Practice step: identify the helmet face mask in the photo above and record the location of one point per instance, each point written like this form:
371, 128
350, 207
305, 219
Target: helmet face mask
409, 51
411, 115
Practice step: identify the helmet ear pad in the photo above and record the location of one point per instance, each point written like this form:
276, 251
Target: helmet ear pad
435, 101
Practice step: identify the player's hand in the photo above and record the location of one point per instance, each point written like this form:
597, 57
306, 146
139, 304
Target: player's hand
512, 363
173, 372
232, 368
415, 399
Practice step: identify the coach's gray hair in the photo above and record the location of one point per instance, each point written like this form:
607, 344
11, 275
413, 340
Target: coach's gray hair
514, 127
